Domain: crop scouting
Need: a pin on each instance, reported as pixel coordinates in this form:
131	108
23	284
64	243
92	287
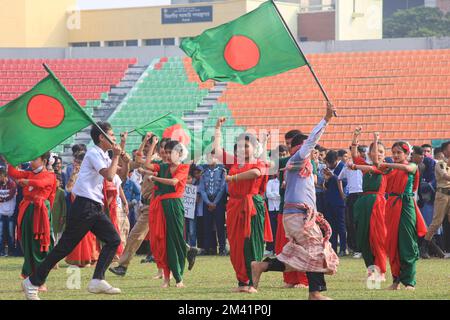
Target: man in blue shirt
212	189
133	194
334	204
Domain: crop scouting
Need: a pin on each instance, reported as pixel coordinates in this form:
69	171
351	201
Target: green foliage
417	22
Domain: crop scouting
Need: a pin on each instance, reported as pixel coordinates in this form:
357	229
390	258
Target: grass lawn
213	278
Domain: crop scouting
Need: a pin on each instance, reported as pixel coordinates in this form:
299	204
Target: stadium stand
89	80
402	94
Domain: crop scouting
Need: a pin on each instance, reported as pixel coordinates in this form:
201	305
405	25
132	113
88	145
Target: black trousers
316	281
85	215
350	224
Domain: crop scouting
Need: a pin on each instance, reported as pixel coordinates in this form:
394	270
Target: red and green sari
404	225
248	224
369	217
34	219
166	222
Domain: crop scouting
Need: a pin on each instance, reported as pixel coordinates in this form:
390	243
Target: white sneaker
101	286
31	291
357	255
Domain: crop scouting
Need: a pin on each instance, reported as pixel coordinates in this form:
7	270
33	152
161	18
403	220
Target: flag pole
303	55
153	121
50	72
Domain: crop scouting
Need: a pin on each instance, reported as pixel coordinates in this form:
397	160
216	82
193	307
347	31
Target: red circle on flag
241	53
45	111
176	132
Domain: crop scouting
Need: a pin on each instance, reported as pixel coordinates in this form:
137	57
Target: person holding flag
167	212
248	224
33	222
308	249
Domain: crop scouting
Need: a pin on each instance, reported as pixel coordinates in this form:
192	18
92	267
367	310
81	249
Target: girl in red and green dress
369	209
33	222
167	213
248	224
404	221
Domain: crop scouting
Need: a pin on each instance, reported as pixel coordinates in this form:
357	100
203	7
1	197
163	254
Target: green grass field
212	279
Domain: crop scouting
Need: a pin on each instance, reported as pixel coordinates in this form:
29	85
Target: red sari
157	218
110	200
402	205
41	187
244	204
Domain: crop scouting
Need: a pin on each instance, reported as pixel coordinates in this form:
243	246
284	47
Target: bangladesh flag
168	126
253	46
39	120
175	128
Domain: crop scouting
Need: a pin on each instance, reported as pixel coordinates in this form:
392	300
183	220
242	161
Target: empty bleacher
168	85
402	94
89	80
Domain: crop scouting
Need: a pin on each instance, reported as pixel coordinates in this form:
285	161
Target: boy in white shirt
87	214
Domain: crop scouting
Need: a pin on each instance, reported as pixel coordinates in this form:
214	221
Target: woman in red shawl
248	224
33	222
403	219
167	213
110	198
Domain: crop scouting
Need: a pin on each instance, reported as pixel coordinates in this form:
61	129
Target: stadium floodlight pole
153	121
302	54
50	72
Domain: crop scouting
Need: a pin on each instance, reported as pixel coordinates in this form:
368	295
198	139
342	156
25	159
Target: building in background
167	25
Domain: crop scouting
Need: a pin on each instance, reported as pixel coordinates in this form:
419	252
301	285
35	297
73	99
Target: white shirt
7	208
118	183
354	179
89	183
273	194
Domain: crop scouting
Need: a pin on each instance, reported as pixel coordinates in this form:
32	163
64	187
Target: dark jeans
316	281
320	202
6	231
215	218
273	215
84	215
200	232
351	229
335	215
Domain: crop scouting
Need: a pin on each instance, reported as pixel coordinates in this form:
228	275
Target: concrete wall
145	22
32	23
317	26
364	21
147	54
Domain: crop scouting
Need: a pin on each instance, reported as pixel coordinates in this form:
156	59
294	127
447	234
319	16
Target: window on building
169	41
152	42
131	43
114	43
94	44
78	44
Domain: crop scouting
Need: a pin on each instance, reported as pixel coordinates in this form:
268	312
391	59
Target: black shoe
424	249
191	255
118	271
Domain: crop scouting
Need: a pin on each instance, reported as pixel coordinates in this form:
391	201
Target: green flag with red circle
39	120
250	47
